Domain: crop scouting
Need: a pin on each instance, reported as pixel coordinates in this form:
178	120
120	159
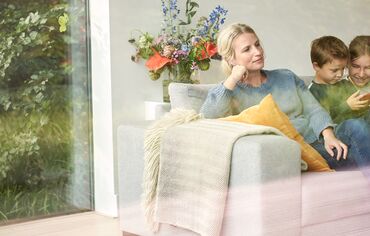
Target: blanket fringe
152	141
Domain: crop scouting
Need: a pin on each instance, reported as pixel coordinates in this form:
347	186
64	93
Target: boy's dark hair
327	48
359	46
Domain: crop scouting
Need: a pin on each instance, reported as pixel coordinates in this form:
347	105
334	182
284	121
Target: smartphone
366	97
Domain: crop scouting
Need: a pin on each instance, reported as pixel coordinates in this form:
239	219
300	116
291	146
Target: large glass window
45	114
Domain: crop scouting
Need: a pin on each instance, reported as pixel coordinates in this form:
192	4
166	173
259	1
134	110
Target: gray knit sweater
288	91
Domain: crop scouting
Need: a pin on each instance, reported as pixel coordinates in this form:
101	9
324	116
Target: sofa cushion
307	79
192	96
188	96
268	113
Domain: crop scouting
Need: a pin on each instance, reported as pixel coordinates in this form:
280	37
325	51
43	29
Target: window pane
45	114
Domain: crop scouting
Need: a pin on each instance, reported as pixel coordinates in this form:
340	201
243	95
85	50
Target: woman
247	83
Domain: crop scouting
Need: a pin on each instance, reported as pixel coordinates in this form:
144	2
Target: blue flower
164	8
185	48
173	4
212	25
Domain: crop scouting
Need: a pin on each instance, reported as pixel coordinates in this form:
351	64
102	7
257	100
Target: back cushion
307	79
192	96
188	96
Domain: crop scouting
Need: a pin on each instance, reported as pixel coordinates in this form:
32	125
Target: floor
82	224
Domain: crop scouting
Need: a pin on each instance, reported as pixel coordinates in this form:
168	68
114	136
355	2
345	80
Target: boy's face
359	70
330	72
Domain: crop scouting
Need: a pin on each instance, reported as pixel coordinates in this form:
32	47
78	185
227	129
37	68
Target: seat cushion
329	196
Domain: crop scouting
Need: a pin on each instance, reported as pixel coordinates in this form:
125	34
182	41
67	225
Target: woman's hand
331	142
355	102
237	73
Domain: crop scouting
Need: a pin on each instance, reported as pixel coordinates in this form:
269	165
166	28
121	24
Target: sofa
267	195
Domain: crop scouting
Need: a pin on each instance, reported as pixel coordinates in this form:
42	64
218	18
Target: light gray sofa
267	194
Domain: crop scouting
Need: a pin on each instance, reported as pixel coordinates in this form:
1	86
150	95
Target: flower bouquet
179	49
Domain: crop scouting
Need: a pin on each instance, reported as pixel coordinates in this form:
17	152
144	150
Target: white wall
285	27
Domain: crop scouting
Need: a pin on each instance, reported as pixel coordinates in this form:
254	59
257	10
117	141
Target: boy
329	57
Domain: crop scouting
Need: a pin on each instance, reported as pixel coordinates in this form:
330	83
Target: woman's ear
231	62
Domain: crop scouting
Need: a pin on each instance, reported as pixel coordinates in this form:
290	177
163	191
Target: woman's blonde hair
225	41
359	46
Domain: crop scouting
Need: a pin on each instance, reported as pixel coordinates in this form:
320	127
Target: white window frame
104	181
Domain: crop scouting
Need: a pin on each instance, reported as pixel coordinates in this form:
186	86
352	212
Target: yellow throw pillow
268	113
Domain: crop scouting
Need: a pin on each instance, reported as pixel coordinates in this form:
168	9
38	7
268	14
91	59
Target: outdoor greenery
36	135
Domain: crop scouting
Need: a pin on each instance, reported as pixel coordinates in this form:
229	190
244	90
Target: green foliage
29	37
36	103
30	58
190	11
34	142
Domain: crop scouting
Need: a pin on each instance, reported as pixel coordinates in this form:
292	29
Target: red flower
210	50
156	61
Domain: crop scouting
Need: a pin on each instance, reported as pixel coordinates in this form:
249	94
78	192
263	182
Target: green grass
18	202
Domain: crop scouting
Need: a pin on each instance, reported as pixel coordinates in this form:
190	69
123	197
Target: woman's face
248	52
359	70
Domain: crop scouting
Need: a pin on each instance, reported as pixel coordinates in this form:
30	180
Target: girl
359	65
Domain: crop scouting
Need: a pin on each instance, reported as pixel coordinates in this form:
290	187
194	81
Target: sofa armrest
258	161
130	150
155	110
264	195
281	159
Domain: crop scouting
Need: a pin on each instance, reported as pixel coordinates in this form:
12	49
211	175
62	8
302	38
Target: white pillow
188	96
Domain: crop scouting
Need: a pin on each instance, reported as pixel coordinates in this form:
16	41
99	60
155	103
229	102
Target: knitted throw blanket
190	187
152	141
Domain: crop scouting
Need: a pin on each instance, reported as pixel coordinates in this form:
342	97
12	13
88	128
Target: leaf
7	105
33	35
27	40
27	20
44	120
194	4
192	13
183	23
63	21
10	41
189	19
62	28
34	17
